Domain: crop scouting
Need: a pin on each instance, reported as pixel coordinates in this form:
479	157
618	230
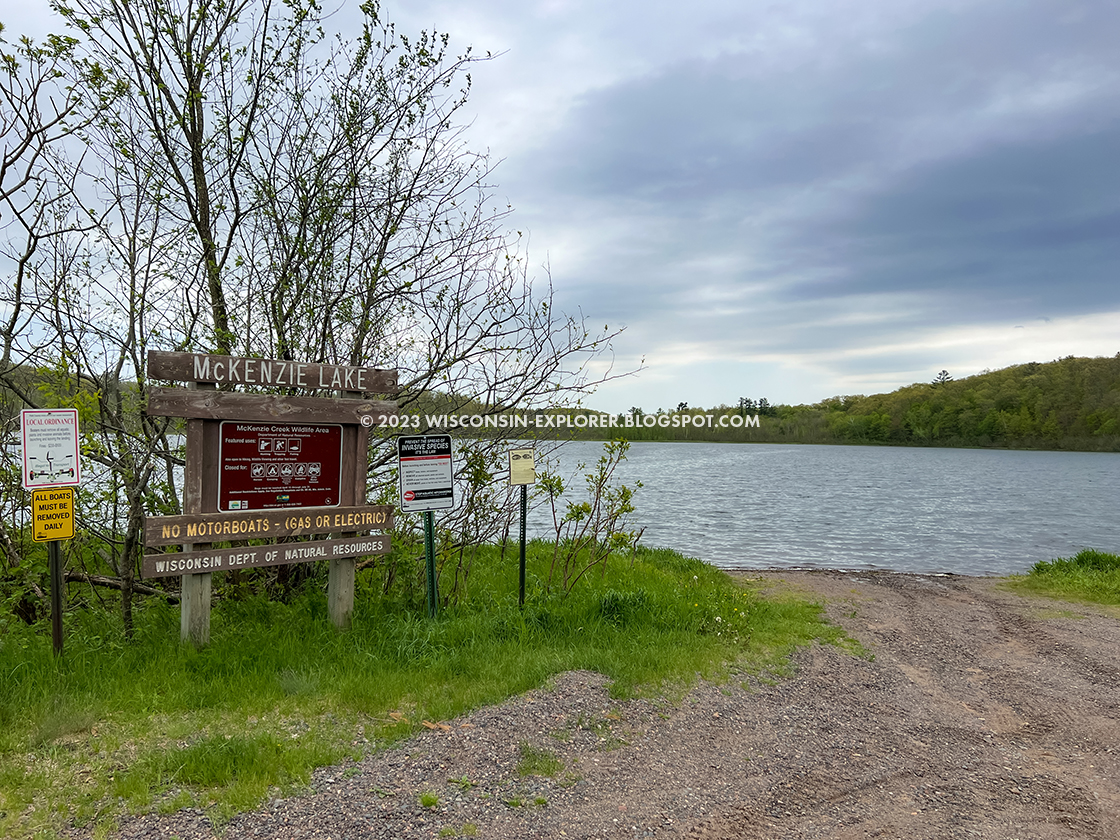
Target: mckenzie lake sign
264	466
272	373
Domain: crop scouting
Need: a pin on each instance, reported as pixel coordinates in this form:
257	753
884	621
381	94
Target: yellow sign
52	514
522	466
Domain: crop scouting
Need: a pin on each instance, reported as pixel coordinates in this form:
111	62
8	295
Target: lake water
967	511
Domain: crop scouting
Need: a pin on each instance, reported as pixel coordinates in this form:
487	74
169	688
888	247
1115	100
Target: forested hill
1071	403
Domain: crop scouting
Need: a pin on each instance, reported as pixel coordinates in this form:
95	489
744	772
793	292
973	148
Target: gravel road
979	714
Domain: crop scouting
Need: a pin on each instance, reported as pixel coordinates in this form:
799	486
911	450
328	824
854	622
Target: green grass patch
237	771
151	724
1091	576
535	761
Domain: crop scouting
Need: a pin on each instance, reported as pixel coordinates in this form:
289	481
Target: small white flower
718	618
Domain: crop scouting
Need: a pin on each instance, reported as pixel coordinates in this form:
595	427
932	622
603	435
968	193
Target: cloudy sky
808	197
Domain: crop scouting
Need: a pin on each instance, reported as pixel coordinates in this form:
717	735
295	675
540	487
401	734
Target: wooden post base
194	616
340	591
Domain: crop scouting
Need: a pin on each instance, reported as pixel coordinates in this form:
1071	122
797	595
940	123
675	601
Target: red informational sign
276	465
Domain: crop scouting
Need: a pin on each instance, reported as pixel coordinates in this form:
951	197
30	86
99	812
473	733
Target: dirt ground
983	714
976	714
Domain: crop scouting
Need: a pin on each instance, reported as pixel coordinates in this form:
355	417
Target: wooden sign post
194	601
263	466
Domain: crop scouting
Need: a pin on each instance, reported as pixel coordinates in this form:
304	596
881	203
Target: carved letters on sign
272	373
265	524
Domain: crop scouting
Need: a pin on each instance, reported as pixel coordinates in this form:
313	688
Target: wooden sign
266	408
265	524
273	373
52	514
228	469
227	559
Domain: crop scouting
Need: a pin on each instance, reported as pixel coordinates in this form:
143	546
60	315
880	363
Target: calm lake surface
967	511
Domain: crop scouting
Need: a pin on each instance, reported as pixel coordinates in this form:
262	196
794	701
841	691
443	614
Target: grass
1089	576
152	725
535	761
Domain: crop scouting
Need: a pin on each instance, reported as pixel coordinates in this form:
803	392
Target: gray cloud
811	197
955	170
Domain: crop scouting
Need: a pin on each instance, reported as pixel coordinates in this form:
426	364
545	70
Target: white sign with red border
426	472
50	448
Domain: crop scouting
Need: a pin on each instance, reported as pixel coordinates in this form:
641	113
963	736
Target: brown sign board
228	559
274	373
238	526
270	465
266	408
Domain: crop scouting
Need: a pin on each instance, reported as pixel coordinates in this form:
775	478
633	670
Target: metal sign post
523	471
52	521
427	483
430	562
51	468
521	554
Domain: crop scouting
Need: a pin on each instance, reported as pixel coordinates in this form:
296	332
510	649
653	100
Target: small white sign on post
426	472
522	467
50	448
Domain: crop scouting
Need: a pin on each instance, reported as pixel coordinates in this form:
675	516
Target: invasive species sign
426	472
225	559
50	447
52	514
522	466
278	465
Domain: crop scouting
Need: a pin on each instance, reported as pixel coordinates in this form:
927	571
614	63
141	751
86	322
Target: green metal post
524	509
54	558
430	557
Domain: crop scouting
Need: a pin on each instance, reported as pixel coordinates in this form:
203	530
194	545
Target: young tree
253	188
200	74
38	218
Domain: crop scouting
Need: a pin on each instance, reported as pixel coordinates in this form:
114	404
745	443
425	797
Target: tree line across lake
1071	403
